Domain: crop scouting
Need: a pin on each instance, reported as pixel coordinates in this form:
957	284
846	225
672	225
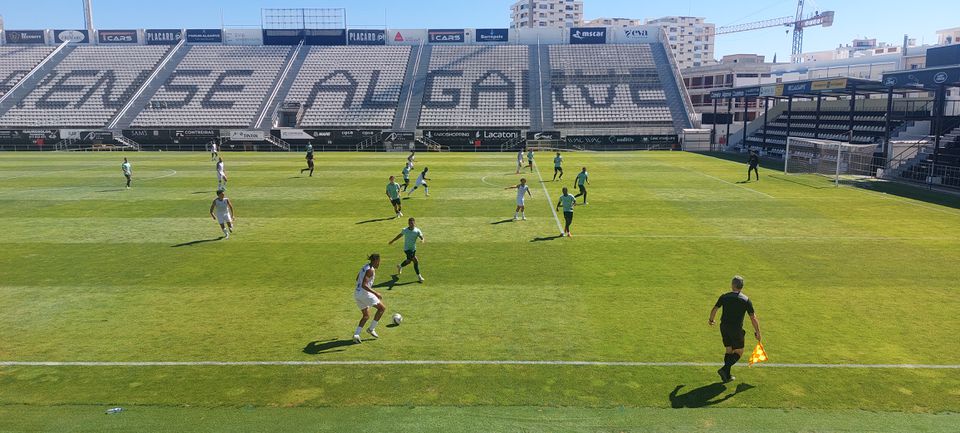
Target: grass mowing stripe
451	362
546	193
725	181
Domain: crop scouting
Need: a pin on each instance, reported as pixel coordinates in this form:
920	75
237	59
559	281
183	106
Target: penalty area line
453	362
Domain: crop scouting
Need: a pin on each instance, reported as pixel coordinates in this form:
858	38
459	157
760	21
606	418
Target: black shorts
583	188
733	336
753	166
395	201
310	163
568	217
410	254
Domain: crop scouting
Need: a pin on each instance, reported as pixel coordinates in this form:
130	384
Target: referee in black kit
735	305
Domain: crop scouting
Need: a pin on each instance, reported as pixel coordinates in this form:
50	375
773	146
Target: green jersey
582	178
567	202
558	161
529	156
393	190
126	168
406	172
410	238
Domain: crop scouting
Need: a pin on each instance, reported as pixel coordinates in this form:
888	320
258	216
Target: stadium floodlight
829	158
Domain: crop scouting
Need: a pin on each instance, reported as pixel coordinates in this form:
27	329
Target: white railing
276	141
143	88
692	115
32	72
276	89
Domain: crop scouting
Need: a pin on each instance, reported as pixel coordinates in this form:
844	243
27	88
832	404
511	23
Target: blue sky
855	18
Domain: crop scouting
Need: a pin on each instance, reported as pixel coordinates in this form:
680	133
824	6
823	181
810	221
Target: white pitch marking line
748	237
484	180
452	362
172	173
546	193
727	182
909	202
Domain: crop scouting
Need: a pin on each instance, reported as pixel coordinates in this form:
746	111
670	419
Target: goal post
833	159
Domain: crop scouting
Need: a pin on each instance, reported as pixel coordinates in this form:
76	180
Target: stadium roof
837	86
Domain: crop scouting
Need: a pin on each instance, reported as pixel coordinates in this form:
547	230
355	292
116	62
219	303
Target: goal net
834	159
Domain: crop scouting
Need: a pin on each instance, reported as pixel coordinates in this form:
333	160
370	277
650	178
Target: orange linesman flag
759	355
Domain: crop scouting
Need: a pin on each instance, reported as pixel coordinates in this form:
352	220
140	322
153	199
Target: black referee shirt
735	306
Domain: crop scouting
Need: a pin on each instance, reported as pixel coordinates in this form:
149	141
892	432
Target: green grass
92	272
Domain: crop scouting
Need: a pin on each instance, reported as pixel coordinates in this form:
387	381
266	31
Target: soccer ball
397	318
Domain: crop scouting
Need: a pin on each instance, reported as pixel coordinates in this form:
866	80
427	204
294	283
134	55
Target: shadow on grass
496	223
192	243
704	396
329	346
376	220
202	192
111	190
546	238
799	181
393	282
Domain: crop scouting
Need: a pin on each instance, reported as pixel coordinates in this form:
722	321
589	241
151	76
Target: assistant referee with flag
735	305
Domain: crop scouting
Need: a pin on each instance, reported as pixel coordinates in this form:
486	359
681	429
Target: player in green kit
309	160
582	181
568	202
393	193
557	166
406	176
530	159
410	234
127	171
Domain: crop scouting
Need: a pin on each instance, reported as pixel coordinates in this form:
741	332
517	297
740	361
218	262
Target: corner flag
759	355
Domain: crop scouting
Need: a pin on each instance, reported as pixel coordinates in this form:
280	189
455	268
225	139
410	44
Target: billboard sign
325	37
162	36
75	36
485	136
406	36
245	135
623	140
834	84
446	36
635	35
27	136
117	36
492	35
25	36
243	36
588	35
399	137
923	78
545	135
366	37
204	36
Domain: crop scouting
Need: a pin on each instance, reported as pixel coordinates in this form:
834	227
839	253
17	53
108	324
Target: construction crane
798	22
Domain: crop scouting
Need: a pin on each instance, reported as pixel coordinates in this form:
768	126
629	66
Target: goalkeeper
754	161
735	305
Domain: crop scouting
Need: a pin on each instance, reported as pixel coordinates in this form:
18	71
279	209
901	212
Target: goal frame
841	145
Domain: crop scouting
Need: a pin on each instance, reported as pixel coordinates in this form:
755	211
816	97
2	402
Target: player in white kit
222	211
421	181
519	160
214	154
523	190
221	175
366	297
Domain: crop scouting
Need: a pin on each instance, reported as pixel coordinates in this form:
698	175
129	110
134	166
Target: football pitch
115	297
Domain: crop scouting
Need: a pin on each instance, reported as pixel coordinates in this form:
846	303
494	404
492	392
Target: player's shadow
376	220
392	282
704	396
496	223
111	190
329	346
546	238
192	243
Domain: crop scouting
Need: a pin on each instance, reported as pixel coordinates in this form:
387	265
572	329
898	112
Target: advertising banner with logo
28	136
85	136
366	37
943	56
545	135
243	36
243	134
840	83
289	134
770	90
588	35
162	36
325	37
926	78
623	140
76	36
635	35
492	35
117	36
339	136
22	37
399	137
788	89
406	36
204	36
446	36
468	137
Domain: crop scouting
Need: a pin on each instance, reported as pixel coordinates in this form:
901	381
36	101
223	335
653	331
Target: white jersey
420	179
222	207
521	191
519	157
363	272
220	168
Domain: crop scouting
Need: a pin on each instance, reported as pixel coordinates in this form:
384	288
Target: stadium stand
17	62
87	88
477	86
215	86
350	86
610	85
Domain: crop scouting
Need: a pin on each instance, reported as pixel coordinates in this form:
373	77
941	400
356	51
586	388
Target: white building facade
692	39
546	13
